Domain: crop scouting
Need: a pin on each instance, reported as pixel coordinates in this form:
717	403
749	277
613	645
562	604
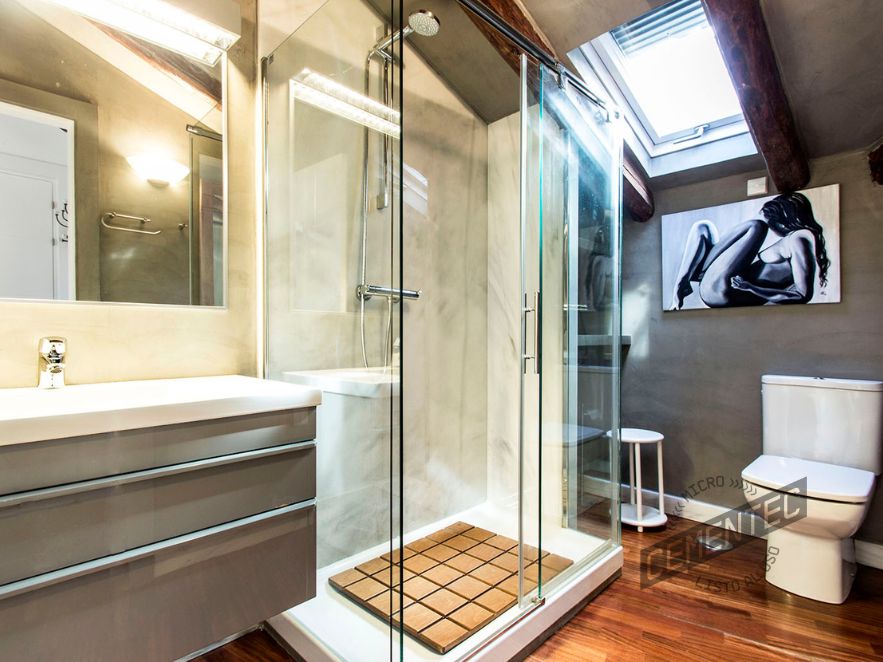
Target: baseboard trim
678	506
218	644
866	553
869	554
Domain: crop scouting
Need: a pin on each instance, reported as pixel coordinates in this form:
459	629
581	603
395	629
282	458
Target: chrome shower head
424	23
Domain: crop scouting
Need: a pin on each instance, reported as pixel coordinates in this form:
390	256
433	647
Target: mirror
111	164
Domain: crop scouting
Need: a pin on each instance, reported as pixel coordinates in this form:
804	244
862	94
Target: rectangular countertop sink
32	414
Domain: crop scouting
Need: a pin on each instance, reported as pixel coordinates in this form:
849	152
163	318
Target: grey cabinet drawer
168	600
47	529
76	459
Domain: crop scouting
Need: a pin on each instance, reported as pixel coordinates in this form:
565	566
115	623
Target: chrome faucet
52	351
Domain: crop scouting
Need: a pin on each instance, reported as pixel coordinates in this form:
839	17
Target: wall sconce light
158	170
200	29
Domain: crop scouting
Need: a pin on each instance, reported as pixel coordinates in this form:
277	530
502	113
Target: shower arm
381	46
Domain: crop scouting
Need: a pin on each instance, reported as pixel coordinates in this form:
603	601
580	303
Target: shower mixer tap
367	291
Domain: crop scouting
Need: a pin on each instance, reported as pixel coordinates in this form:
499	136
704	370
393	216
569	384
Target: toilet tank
837	421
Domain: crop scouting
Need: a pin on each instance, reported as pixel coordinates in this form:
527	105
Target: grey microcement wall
695	375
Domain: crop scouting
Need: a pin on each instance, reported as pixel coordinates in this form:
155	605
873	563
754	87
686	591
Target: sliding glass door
571	330
442	261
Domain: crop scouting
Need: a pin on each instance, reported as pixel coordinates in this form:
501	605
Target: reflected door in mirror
117	115
34	216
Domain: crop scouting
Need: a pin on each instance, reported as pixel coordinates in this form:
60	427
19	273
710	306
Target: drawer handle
90	567
149	474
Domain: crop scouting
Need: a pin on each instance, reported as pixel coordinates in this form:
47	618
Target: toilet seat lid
823	481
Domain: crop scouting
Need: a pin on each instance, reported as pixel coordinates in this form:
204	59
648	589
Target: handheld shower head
422	22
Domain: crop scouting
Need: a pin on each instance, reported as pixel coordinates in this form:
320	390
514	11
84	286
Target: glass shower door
571	331
333	309
382	181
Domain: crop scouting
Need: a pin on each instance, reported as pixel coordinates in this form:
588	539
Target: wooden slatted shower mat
456	581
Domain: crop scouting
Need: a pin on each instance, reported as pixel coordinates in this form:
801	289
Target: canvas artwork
773	251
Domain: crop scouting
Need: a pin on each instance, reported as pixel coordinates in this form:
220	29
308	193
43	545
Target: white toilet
828	431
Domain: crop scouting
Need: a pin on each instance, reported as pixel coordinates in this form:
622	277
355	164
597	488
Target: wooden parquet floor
697	615
703	614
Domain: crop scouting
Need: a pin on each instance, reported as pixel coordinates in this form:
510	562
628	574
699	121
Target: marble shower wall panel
503	308
553	304
353	469
313	256
314	229
504	319
445	332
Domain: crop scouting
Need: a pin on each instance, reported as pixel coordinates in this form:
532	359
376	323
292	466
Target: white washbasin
360	382
32	414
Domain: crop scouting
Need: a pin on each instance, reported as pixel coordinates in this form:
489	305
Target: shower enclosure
442	259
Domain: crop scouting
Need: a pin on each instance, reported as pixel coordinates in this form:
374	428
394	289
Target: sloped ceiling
829	54
831	60
571	23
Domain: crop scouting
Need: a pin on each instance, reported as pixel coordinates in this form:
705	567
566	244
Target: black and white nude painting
779	250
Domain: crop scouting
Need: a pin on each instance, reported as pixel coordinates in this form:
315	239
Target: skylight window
670	70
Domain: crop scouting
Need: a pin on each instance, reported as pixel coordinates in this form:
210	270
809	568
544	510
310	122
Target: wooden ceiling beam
198	76
875	163
748	53
637	197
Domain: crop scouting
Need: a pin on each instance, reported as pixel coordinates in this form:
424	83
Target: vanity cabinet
153	543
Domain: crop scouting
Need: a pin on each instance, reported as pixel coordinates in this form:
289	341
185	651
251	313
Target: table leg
661	488
638	482
631	473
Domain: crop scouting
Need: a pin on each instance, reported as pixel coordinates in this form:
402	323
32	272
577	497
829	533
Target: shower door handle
526	310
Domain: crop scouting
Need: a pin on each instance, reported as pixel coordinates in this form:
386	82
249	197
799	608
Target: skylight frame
608	52
718	145
607	63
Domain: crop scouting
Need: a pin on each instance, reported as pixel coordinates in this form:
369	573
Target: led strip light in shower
329	95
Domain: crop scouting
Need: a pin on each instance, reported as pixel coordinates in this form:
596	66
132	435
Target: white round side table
635	512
